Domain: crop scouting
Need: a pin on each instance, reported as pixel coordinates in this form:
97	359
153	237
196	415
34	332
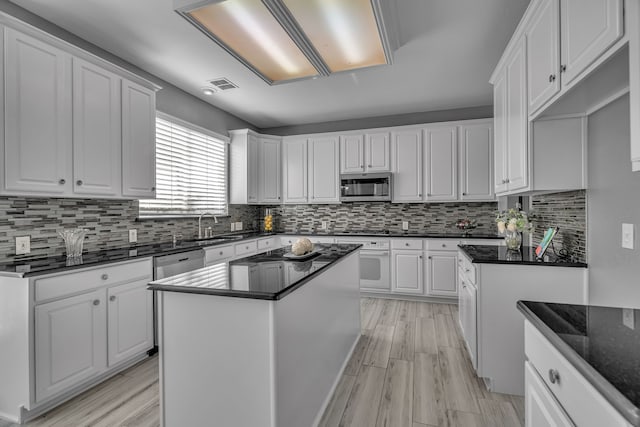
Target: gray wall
384	121
170	99
613	198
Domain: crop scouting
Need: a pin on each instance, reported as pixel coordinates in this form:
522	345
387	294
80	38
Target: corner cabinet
255	168
69	131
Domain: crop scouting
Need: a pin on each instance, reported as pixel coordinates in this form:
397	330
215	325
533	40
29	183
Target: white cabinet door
37	108
441	163
253	161
377	152
130	321
475	163
407	272
588	29
138	141
351	154
407	165
543	54
517	120
97	131
324	154
541	408
468	307
500	129
294	171
70	342
269	170
442	273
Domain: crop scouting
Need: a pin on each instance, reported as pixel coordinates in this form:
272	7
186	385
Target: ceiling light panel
344	32
249	31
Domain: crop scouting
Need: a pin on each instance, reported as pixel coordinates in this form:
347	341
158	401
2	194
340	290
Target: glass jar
268	221
513	240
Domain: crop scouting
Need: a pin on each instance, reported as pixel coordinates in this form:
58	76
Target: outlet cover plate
324	225
133	236
405	225
23	245
239	226
627	236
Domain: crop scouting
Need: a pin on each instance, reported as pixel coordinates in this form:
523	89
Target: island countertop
485	254
599	344
267	276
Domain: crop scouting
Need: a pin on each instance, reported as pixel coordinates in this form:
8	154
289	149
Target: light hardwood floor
409	370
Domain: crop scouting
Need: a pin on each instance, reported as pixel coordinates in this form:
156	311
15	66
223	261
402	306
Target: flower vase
513	240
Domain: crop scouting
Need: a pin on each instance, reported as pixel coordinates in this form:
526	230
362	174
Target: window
191	171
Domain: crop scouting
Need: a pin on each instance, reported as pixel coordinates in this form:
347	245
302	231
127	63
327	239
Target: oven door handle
374	253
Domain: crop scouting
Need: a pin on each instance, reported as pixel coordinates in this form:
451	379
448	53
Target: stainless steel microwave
365	187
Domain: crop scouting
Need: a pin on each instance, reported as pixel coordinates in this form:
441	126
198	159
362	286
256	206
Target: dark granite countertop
599	345
386	233
52	264
267	276
484	254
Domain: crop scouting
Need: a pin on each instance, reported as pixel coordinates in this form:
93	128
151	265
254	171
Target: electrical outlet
233	226
323	225
23	245
628	318
627	236
405	225
133	236
239	226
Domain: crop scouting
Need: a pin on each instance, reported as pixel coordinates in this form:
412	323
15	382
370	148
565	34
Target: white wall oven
375	263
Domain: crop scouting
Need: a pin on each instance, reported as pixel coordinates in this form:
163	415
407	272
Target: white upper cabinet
365	153
71	128
37	117
138	141
269	168
96	130
294	170
588	28
377	152
517	144
407	165
441	163
543	55
500	130
324	169
255	168
351	154
475	163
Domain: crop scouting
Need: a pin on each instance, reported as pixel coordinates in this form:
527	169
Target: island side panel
316	328
216	360
500	326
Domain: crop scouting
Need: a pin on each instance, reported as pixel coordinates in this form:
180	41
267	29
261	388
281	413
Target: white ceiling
448	51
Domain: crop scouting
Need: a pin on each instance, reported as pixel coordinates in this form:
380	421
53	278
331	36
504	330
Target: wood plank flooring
408	369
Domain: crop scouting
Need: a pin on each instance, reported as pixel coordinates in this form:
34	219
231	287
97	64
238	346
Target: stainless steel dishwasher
171	265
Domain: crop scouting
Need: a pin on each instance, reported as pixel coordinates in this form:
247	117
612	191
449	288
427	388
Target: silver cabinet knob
105	276
369	166
430	257
444	245
79	182
62	181
406	244
464	194
554	376
563	68
153	188
221	252
112	298
96	302
552	78
466	270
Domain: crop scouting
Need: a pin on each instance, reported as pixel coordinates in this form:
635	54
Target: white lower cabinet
407	271
467	314
130	328
70	342
542	408
93	327
442	272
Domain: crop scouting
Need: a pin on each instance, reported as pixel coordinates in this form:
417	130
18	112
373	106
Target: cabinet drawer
72	283
218	253
441	245
467	268
578	397
406	244
268	243
287	240
246	247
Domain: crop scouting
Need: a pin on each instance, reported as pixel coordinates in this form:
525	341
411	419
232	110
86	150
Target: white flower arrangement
513	220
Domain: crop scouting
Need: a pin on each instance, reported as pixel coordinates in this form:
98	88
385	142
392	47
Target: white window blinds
191	172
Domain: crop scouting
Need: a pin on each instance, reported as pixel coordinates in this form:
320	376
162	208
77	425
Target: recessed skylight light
284	40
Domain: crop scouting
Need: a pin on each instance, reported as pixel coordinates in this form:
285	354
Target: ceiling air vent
222	83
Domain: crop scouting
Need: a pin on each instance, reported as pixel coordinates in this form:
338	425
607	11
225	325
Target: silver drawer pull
96	302
554	376
104	276
406	244
444	245
466	270
221	252
112	298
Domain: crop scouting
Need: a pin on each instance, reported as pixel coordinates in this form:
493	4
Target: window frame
226	140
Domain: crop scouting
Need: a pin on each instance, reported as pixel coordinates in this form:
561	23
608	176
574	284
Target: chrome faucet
215	220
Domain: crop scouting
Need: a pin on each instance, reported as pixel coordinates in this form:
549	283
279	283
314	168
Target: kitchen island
260	341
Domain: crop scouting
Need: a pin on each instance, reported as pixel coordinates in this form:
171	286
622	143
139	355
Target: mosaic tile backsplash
108	222
567	211
432	217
